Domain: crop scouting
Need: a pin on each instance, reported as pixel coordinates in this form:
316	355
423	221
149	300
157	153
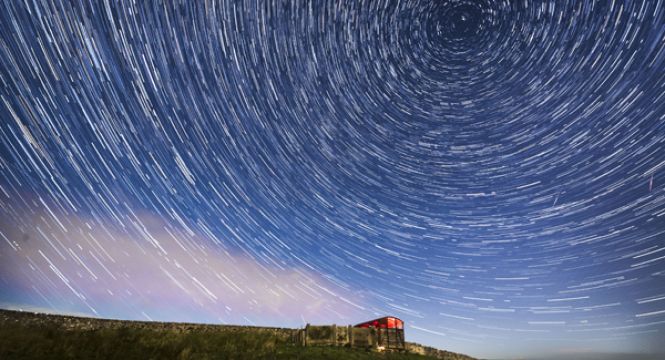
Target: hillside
39	336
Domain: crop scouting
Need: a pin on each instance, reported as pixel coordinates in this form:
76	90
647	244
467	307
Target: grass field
47	341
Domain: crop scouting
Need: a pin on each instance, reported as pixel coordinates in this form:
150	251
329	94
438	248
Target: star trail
492	172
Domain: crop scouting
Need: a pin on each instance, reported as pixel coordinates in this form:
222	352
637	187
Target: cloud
152	270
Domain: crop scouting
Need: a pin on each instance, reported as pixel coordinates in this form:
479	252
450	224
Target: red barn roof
387	322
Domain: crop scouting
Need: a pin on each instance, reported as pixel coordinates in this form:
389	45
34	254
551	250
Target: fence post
374	342
334	334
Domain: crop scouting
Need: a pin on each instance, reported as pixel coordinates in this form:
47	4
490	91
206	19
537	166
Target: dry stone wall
81	323
434	352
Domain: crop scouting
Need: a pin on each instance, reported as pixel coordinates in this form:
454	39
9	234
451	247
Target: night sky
492	172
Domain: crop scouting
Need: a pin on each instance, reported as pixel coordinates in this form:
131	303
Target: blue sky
489	171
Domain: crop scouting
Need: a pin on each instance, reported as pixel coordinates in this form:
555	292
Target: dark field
26	338
21	342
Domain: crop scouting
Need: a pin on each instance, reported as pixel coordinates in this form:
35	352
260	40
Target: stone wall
82	323
434	352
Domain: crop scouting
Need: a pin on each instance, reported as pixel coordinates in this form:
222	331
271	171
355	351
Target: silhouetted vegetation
25	335
48	341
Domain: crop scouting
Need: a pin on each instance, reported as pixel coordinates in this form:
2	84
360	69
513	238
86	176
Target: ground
49	340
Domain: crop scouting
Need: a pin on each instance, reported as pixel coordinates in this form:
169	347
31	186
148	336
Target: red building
389	330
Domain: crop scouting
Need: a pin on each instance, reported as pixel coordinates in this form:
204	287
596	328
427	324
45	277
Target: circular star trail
485	170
